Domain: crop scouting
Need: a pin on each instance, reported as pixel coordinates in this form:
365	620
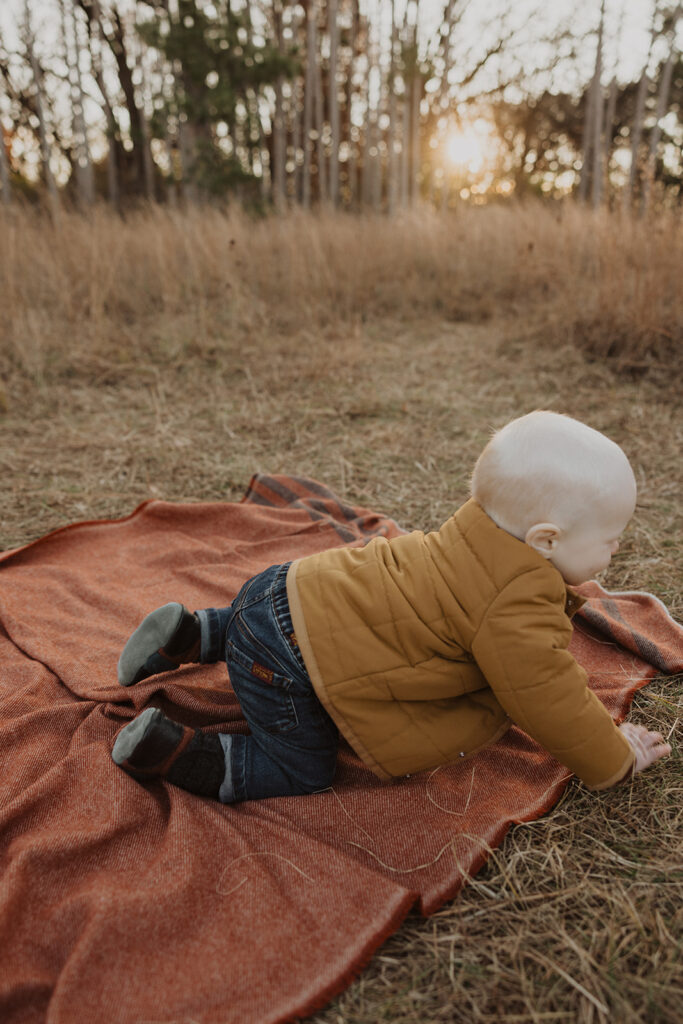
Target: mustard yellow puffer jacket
424	647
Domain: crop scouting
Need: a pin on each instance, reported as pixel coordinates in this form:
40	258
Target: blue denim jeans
292	745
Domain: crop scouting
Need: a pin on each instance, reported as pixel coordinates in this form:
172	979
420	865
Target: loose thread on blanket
632	674
354	823
403	871
256	853
456	814
476	840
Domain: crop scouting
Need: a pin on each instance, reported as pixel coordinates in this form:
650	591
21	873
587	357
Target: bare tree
597	151
145	136
355	44
660	111
119	39
5	188
333	102
320	131
405	122
297	113
392	163
309	98
416	97
97	35
5	193
43	131
444	49
254	114
610	113
371	116
279	138
592	125
639	114
72	52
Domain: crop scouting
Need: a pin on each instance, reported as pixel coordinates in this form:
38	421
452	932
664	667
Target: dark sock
200	768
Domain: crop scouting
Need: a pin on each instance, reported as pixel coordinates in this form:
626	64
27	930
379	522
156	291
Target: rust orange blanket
128	903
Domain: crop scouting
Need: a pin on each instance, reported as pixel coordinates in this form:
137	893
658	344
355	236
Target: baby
419	650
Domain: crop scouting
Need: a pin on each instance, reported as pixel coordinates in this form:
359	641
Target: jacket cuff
624	773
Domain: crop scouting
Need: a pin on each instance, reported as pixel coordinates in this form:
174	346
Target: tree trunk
415	170
84	158
662	105
597	116
5	194
319	126
637	130
309	98
333	99
297	137
117	43
255	115
279	155
405	150
587	144
366	170
610	111
50	184
376	164
88	174
147	161
441	101
112	127
353	148
297	115
638	118
73	152
392	164
164	71
186	145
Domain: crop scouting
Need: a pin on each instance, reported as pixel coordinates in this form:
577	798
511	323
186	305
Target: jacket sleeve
521	649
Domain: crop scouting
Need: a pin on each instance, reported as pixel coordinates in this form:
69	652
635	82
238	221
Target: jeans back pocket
263	692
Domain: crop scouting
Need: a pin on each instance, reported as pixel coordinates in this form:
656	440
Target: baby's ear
543	537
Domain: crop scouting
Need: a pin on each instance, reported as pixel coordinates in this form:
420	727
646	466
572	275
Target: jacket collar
472	516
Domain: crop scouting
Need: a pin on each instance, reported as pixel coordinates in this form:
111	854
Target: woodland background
358	103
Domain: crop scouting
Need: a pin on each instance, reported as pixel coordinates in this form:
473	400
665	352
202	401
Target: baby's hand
647	746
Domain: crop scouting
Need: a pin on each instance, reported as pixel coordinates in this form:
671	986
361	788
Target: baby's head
559	486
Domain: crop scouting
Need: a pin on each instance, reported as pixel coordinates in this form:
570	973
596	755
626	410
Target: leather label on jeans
261	672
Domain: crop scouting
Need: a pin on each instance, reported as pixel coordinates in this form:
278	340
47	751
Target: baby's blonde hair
546	467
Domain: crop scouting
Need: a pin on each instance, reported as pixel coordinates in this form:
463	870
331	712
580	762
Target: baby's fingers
658	750
653	747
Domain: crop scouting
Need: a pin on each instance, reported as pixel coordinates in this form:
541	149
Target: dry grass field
173	355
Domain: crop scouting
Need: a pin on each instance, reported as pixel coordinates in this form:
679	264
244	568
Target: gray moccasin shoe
168	637
153	746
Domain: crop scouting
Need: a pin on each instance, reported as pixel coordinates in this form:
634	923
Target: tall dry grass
87	291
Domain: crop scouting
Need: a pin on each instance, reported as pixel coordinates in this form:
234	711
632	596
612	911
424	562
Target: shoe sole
154	632
133	733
